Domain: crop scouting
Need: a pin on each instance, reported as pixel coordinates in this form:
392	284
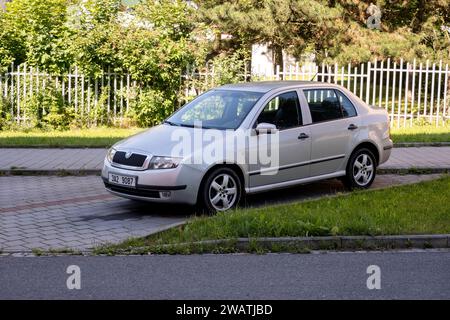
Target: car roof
266	86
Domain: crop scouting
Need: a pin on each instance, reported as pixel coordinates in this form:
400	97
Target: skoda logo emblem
128	155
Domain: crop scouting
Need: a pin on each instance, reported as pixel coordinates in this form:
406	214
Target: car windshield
216	109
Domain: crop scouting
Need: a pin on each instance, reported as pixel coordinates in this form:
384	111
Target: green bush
47	110
5	113
152	107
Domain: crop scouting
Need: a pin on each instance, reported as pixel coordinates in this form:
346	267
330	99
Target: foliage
335	30
94	41
152	107
47	110
35	32
5	115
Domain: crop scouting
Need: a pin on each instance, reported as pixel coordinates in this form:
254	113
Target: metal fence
410	92
112	92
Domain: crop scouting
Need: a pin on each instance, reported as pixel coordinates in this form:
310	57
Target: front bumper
178	185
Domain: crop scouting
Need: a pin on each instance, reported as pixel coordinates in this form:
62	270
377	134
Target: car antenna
314	76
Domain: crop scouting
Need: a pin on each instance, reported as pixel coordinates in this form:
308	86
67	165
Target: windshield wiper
171	123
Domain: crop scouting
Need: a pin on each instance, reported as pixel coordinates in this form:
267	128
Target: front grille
133	192
135	160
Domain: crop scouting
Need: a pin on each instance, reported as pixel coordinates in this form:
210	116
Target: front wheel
361	170
221	191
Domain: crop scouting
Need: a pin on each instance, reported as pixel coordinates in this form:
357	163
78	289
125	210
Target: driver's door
293	147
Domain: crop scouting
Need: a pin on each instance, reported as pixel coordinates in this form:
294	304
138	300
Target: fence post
388	66
76	89
432	92
11	75
419	95
406	94
375	64
413	95
445	92
439	93
18	94
400	92
425	96
380	91
393	92
368	82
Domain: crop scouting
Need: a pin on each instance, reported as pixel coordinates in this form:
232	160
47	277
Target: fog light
165	194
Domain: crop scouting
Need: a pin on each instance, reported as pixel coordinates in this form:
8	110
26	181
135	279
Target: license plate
122	180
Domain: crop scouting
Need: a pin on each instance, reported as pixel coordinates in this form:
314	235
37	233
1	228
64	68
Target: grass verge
421	134
405	210
105	137
82	138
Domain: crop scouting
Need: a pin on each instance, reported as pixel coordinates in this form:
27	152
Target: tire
361	170
221	191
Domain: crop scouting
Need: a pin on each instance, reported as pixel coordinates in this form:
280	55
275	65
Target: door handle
352	127
303	136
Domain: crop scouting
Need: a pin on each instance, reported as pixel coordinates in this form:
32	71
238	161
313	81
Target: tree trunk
277	57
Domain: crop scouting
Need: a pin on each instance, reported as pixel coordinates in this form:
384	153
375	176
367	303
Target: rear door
334	126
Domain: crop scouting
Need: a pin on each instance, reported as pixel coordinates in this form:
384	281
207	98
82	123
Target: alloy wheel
363	169
222	192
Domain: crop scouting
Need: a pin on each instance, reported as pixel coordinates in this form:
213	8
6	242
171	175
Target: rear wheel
221	191
361	170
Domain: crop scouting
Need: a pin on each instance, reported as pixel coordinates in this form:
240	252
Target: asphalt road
411	275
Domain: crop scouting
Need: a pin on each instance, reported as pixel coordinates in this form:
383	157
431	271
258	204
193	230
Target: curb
413	170
337	243
55	172
420	144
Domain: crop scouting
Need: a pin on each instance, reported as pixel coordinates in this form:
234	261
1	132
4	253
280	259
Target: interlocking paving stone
419	157
92	159
52	220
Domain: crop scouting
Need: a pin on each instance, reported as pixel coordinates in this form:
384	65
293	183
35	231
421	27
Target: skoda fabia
253	137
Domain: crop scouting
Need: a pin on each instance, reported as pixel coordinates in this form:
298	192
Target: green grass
421	134
405	210
98	137
105	137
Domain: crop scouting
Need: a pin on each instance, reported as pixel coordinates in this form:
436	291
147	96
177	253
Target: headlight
164	163
110	155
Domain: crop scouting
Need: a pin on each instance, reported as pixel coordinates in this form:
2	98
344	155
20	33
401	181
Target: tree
335	30
35	31
95	35
286	24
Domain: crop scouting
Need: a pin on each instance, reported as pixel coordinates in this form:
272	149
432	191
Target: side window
282	111
348	109
323	104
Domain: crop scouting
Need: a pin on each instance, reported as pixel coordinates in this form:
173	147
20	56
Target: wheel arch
233	166
368	145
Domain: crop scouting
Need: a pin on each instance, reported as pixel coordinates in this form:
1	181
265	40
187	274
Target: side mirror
264	127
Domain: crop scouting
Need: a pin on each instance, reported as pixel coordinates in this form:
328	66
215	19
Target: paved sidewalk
51	159
92	159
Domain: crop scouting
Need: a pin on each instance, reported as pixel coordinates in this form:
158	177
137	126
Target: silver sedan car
246	138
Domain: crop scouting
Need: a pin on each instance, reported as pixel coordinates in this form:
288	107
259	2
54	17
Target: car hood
163	139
